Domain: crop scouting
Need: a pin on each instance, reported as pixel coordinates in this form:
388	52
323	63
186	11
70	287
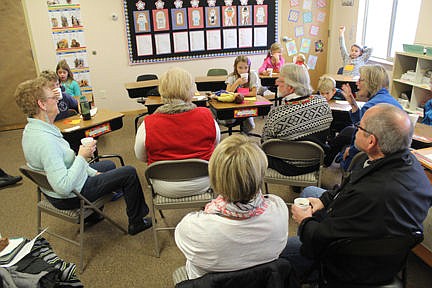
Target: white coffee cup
244	76
59	92
87	141
302	203
270	71
413	118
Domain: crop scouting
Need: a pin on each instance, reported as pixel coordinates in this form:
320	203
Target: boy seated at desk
327	88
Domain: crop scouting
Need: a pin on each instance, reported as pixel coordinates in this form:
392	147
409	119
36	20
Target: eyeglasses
357	125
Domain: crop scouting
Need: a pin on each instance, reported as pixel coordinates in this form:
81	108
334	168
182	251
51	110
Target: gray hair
297	77
390	128
375	78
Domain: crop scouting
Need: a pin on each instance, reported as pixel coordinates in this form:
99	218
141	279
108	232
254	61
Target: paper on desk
93	111
24	251
247	98
75	121
199	98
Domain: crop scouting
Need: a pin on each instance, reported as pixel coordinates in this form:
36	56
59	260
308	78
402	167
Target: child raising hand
357	57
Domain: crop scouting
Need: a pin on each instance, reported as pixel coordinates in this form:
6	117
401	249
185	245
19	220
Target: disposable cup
87	141
244	76
59	92
270	71
413	118
302	203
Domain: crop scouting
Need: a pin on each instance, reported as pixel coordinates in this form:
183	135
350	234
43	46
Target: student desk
270	82
224	111
74	128
140	88
341	117
422	135
424	250
211	83
342	79
153	102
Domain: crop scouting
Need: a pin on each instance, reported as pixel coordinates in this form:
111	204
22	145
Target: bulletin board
160	31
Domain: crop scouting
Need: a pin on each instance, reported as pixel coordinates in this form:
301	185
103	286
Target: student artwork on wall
161	30
69	41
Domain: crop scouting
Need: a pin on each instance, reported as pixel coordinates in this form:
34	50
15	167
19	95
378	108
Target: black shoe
93	219
140	226
296	189
117	195
6	179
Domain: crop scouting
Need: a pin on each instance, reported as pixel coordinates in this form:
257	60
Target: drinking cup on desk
87	141
270	71
413	118
302	203
244	76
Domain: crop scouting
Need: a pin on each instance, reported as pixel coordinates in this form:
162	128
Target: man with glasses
387	194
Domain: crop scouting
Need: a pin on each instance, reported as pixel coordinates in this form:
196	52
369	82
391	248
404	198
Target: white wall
109	68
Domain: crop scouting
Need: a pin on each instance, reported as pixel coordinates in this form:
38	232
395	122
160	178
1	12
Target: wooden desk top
423	133
424	156
260	101
343	78
142	84
205	79
157	100
273	76
68	125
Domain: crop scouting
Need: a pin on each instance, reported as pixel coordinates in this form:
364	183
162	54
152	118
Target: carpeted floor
113	259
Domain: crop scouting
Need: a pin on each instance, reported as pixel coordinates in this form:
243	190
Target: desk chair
301	152
175	171
76	216
366	262
357	160
273	274
142	93
217	72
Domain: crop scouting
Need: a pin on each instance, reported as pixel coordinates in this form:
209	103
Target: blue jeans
312	191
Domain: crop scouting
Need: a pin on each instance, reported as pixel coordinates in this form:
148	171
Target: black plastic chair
143	93
217	72
367	262
275	274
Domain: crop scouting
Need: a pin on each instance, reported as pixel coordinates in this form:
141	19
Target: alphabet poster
161	30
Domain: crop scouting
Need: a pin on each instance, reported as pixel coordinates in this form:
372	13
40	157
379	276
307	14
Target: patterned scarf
174	106
237	210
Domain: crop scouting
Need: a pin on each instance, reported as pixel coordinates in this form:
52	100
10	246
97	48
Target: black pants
112	179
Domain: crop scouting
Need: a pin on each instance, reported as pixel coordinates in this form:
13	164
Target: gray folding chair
175	171
76	216
303	153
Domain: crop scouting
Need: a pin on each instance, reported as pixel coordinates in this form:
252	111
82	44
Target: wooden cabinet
408	77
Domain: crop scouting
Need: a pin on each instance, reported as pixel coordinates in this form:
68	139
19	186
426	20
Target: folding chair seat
301	152
175	171
75	216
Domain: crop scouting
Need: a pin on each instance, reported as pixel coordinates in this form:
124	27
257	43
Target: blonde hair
275	47
237	168
374	77
176	83
326	84
28	93
49	75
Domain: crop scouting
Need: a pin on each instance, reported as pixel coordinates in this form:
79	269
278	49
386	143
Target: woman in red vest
177	130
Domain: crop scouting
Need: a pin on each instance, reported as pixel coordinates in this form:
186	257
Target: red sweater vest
186	135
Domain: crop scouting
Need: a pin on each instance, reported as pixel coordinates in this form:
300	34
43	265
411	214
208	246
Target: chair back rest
144	91
356	162
146	77
38	177
274	274
217	72
298	151
367	261
177	170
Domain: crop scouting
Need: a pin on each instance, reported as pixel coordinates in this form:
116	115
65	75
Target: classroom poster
68	39
161	30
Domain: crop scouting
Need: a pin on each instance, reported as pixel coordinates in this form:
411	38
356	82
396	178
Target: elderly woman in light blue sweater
45	149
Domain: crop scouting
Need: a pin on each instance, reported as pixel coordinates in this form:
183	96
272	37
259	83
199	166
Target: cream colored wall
109	68
423	35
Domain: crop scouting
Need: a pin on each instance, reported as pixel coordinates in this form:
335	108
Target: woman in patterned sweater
302	117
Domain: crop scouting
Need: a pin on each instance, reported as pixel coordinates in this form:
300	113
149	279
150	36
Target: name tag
98	130
246	112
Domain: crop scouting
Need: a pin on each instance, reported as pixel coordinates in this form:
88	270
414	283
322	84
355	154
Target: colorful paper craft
291	47
307	17
299	31
314	30
305	45
312	60
293	16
